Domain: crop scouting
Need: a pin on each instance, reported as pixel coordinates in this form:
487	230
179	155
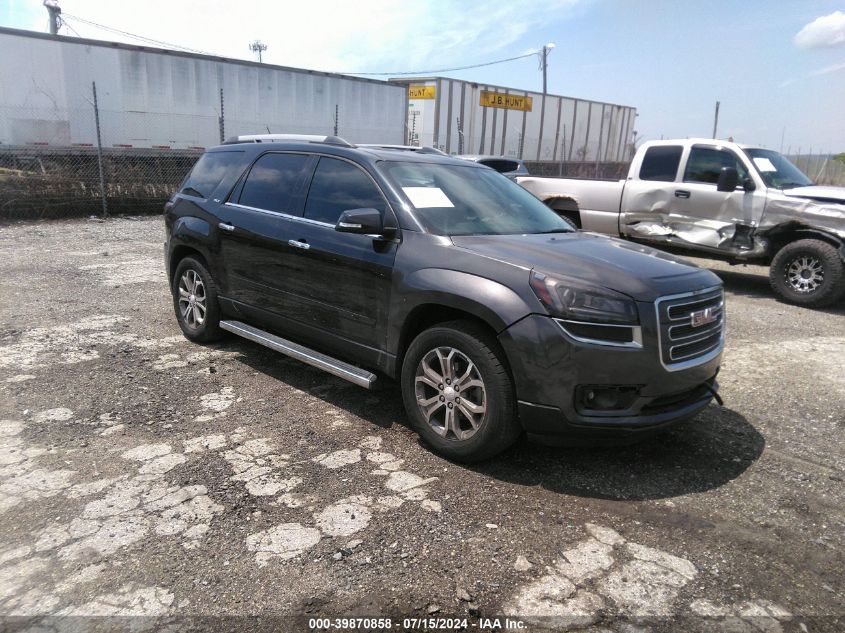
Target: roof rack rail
287	138
407	148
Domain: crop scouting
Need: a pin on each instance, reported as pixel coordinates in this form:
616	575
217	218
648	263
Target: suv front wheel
458	392
195	301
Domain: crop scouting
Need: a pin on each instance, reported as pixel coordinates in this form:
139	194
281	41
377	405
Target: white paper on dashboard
764	164
425	197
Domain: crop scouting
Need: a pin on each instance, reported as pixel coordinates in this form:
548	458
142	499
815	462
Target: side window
209	171
338	186
705	164
274	183
661	163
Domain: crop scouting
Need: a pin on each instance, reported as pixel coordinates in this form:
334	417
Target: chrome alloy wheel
192	299
805	274
450	393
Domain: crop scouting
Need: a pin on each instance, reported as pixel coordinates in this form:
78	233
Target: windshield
776	169
457	200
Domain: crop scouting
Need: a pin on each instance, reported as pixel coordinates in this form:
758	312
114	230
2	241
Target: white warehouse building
158	98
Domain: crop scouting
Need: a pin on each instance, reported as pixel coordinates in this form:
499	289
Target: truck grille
690	327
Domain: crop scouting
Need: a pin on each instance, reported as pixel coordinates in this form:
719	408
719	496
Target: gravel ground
142	475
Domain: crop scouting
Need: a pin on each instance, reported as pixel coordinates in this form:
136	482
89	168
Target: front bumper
549	367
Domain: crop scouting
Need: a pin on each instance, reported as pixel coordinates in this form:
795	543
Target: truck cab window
661	163
705	164
338	186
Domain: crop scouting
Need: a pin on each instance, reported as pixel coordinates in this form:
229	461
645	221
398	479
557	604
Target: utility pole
55	12
716	120
336	116
544	62
258	47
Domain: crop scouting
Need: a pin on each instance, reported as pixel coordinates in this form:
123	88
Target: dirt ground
145	476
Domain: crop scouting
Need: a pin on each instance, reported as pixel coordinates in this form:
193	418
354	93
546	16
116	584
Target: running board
353	374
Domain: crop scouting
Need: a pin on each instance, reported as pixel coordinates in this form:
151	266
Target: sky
776	66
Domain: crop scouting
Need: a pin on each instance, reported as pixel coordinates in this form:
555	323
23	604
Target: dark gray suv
492	313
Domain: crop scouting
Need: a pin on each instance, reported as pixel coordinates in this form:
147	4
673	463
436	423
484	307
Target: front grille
683	341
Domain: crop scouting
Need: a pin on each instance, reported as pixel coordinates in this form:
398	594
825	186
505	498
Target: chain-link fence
823	169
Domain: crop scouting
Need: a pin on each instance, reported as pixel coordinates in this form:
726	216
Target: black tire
208	329
565	217
498	427
814	292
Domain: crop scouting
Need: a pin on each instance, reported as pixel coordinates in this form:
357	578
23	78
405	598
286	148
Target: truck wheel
195	301
808	273
458	392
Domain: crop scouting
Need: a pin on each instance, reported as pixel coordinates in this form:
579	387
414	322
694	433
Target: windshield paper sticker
426	197
764	164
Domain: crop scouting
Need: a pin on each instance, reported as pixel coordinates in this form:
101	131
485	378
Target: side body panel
598	200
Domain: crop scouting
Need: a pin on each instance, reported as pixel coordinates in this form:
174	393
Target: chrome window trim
699	360
636	334
289	216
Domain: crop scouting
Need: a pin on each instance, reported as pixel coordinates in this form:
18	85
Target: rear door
652	196
253	239
335	282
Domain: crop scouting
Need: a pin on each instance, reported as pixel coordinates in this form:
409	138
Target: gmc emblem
702	317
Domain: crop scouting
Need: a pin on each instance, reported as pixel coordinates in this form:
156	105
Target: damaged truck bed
733	202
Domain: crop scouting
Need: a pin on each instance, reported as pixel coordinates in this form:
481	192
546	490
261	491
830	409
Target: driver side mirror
361	221
728	179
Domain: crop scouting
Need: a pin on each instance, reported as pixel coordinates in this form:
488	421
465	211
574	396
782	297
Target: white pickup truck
723	200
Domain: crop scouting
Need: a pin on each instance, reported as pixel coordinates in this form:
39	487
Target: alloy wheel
804	274
450	393
192	299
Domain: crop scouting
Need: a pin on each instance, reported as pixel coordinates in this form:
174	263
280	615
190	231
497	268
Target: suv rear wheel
808	273
195	301
458	393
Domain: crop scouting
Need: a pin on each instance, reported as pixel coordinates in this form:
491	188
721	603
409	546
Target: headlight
574	300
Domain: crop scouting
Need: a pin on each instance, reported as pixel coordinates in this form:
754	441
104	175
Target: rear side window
338	186
661	163
275	182
500	165
705	164
210	170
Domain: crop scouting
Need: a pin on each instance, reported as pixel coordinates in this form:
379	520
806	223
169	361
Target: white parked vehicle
506	165
719	199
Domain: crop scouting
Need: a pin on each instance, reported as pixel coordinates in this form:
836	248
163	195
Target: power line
134	36
369	74
440	70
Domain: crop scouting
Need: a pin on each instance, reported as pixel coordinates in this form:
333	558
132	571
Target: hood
818	192
640	272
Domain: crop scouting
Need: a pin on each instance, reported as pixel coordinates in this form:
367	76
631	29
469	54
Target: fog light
605	398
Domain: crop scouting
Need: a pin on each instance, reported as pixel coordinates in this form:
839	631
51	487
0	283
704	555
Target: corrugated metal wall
555	127
149	97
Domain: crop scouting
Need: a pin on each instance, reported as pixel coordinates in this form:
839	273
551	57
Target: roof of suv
258	143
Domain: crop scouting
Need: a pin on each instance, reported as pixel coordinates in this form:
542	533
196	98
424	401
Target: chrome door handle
682	193
226	226
297	244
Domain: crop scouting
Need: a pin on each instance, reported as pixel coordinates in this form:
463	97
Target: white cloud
833	68
828	30
362	35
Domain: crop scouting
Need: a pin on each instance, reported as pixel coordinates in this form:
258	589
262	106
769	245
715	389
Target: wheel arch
434	300
565	205
787	233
